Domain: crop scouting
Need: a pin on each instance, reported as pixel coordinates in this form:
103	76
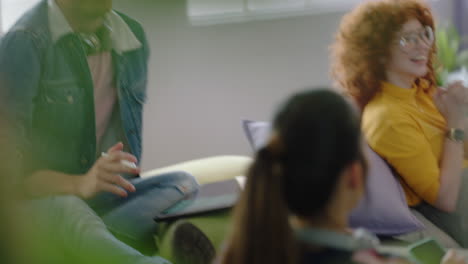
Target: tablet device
209	197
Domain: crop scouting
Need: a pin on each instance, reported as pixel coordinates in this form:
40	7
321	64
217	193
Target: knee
182	178
178	176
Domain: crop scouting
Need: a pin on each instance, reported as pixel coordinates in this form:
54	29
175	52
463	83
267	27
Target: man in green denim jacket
73	77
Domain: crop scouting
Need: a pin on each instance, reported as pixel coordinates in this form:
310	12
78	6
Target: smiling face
409	54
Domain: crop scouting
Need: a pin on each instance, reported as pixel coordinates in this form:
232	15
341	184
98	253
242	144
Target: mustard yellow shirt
405	128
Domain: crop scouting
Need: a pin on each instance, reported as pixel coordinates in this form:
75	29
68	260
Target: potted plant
451	62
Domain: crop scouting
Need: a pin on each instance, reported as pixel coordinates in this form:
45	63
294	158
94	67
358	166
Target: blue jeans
64	229
131	218
74	233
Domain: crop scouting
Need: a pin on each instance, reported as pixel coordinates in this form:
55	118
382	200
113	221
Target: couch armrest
209	169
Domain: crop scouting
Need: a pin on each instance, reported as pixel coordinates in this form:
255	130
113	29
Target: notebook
209	197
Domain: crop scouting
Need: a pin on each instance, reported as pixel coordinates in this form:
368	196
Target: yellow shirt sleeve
404	147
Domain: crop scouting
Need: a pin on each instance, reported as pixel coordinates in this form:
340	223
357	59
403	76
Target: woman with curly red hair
383	57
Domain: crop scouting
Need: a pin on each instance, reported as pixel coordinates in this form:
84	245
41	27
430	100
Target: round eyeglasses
409	41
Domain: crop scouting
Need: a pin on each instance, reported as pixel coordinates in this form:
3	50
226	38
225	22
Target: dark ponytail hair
261	218
316	135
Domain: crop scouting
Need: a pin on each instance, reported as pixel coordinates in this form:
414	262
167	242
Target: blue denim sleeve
138	30
146	54
19	83
146	49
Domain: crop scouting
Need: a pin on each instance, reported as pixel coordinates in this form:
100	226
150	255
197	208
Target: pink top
105	93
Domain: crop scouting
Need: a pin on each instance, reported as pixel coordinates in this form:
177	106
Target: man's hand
105	175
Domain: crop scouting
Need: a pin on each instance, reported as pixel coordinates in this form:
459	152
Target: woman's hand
368	257
451	102
451	257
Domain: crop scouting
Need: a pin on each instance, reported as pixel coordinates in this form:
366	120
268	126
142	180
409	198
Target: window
11	10
206	12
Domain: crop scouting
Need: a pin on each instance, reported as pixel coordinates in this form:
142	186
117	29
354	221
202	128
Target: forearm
47	182
465	149
465	143
450	175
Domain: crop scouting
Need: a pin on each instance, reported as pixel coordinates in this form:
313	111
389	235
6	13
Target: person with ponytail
302	187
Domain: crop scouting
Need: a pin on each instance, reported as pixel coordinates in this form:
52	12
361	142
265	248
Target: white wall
205	80
443	10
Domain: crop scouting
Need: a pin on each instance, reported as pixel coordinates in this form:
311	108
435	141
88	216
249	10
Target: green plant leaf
442	47
449	56
453	38
441	77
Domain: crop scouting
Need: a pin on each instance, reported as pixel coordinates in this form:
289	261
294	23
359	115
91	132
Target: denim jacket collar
121	35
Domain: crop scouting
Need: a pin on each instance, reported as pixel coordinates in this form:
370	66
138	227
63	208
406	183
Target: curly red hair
363	42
